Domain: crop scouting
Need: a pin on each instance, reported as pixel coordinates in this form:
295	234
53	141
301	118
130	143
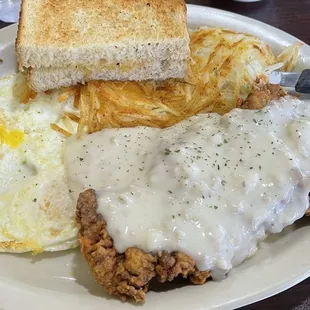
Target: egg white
36	211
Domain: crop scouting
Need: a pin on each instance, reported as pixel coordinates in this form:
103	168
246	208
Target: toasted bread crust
20	34
53	33
126	275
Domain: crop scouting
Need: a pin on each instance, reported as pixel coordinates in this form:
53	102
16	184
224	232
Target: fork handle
303	84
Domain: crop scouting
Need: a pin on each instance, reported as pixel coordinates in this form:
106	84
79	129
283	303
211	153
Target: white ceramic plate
62	280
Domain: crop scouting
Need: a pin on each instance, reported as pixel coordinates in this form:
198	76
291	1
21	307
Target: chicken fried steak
126	275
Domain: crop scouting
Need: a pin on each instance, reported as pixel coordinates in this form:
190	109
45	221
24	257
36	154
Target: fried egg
36	211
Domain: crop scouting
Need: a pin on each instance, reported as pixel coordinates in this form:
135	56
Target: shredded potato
22	90
223	70
77	98
66	94
28	95
73	117
289	57
60	130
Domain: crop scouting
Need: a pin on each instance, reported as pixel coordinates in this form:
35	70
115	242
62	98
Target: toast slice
43	79
67	33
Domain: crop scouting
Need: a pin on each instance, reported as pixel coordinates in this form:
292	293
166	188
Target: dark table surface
292	16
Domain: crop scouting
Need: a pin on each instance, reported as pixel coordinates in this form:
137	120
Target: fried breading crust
262	94
126	275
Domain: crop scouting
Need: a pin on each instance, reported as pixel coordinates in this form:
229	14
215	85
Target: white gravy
211	187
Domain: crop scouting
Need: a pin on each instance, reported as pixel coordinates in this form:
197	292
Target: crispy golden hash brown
226	68
126	275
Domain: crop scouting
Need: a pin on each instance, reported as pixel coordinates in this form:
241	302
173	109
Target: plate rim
250	19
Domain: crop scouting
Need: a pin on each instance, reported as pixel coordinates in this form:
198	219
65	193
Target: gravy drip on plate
211	186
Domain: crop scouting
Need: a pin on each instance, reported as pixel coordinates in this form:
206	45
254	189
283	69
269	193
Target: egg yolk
12	138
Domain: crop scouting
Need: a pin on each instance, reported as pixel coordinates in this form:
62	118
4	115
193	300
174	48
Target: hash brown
226	68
